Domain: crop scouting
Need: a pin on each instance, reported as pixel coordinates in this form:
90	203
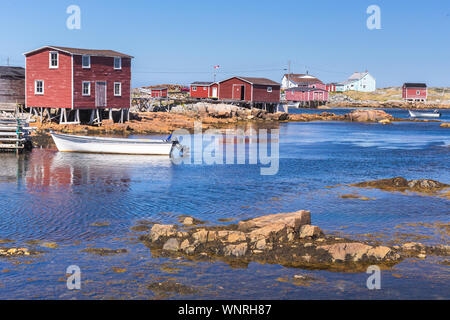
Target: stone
309	231
185	244
368	115
159	230
266	231
421	256
292	220
236	236
412	246
355	251
188	221
201	236
261	244
171	245
237	250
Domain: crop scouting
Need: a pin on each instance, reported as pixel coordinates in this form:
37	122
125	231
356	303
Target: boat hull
71	143
424	114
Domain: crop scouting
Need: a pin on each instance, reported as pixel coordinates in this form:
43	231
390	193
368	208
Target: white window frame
204	88
120	89
119	59
89	89
36	86
50	60
82	64
194	88
269	89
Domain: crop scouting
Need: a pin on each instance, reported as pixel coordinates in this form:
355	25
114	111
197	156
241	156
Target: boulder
368	116
201	236
355	251
159	230
309	231
266	231
237	250
236	236
292	220
171	245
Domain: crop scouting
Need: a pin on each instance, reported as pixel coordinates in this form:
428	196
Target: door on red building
238	92
100	94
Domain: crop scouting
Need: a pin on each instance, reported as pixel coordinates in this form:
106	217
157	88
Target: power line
209	72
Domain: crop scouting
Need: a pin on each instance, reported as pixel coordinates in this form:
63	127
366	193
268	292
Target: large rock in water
368	116
401	184
293	220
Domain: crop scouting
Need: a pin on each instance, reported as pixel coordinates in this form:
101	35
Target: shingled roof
89	52
259	81
415	85
302	78
12	73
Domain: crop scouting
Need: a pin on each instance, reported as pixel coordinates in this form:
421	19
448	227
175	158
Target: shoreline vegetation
217	116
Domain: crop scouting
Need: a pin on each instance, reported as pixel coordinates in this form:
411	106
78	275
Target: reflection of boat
416	114
72	143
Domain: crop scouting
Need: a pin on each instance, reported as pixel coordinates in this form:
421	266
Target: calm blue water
55	197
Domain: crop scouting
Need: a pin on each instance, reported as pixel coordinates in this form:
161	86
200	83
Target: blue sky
180	41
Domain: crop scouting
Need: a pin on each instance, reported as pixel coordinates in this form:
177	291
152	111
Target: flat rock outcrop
368	116
288	239
401	184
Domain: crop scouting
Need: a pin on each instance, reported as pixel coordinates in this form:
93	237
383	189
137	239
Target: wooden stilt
121	115
110	114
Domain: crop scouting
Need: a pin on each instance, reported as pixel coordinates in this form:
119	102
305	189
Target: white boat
416	114
73	143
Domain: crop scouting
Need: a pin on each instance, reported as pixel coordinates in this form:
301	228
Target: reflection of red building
50	169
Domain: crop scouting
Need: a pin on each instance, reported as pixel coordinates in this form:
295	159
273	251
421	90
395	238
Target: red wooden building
307	96
331	87
77	79
204	89
251	90
415	92
159	92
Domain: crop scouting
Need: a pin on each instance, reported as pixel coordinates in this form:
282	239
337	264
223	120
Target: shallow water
58	198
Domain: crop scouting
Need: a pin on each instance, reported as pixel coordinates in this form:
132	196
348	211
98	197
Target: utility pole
7	61
289	72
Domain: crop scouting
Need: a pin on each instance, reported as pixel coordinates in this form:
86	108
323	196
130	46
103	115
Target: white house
360	81
293	80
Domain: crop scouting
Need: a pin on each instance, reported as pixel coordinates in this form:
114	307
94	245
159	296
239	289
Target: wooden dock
14	135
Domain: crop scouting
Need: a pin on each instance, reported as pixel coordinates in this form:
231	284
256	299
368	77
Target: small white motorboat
73	143
417	114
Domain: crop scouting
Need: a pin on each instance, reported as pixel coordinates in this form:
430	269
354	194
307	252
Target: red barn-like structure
307	96
251	90
204	89
77	79
415	92
159	92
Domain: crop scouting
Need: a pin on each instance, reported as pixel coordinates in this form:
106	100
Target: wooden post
110	114
121	115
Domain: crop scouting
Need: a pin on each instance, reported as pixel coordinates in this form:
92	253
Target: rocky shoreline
211	116
287	239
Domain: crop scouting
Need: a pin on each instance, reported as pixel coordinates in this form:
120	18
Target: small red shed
415	92
254	90
307	96
331	87
71	78
204	89
159	92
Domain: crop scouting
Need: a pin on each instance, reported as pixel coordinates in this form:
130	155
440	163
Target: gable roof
89	52
302	78
414	85
255	81
202	83
12	73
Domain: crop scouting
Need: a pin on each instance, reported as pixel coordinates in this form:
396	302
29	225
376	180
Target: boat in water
418	114
73	143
